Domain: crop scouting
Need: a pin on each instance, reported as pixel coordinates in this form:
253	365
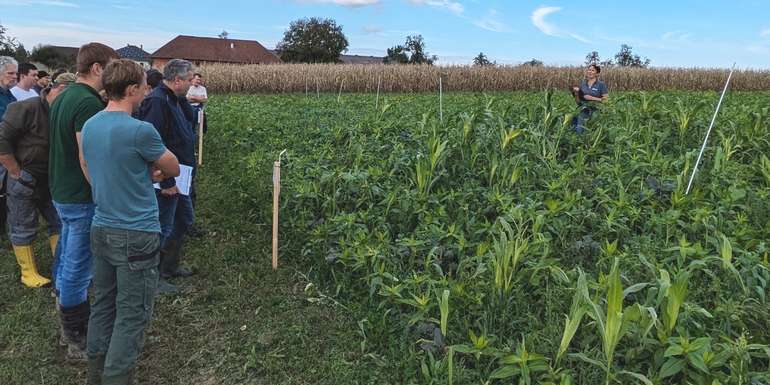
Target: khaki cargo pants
125	279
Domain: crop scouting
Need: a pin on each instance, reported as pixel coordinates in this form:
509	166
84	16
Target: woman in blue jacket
590	92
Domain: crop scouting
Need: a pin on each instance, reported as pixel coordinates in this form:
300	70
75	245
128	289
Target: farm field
485	243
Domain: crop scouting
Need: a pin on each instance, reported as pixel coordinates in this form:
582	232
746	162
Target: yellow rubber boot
53	240
29	275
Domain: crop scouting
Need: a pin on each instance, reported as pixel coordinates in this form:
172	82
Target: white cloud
538	20
75	35
676	37
53	3
759	49
452	6
372	29
58	3
491	22
765	33
344	3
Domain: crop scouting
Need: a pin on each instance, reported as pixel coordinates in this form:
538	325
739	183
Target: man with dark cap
24	139
43	80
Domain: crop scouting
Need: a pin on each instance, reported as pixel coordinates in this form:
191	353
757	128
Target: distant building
202	50
354	59
359	59
137	54
71	53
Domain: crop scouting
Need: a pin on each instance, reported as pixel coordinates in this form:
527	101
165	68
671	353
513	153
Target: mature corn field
312	78
498	246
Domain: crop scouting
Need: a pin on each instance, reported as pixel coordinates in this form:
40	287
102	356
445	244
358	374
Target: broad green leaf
504	372
641	377
584	358
696	360
674	350
672	367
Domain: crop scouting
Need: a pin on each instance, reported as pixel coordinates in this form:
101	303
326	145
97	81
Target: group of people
96	154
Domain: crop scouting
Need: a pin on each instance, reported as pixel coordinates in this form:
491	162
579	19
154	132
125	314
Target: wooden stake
339	95
201	116
276	194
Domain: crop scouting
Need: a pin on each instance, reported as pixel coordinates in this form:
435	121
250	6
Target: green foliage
533	254
312	40
51	57
413	51
481	60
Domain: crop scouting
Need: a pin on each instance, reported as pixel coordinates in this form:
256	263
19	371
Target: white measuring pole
440	100
377	101
708	133
339	95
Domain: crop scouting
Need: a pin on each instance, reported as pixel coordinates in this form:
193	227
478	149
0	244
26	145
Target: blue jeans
75	262
175	214
579	120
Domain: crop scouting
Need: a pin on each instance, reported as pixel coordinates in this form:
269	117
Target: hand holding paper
183	181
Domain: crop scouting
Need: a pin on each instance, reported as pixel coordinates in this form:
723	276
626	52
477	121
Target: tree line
317	40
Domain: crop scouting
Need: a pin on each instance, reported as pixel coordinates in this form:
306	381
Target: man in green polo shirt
71	192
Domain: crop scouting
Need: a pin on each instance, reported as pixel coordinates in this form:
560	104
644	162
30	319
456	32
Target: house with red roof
203	50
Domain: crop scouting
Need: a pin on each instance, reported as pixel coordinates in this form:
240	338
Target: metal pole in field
276	194
201	116
708	133
440	100
377	101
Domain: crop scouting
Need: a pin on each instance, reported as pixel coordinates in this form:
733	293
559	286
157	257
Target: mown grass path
237	322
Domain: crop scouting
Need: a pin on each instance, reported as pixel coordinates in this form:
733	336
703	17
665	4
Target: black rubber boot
95	370
169	260
164	287
74	325
125	379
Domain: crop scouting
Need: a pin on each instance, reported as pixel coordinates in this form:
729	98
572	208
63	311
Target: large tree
51	57
411	52
313	40
481	60
626	58
533	63
9	46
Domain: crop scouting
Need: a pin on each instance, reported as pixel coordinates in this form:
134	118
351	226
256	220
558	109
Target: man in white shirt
196	95
27	79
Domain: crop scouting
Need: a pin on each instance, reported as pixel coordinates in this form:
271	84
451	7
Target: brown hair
119	75
94	53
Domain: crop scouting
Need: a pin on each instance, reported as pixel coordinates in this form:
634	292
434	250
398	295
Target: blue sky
671	33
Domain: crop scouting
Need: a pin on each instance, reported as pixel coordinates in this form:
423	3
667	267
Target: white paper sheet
183	181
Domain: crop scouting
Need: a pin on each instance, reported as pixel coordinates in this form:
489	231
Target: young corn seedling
576	313
508	250
610	326
522	364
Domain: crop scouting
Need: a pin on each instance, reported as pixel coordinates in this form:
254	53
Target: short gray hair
5	61
177	68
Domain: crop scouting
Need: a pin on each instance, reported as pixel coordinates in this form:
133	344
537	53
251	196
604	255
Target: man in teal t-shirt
122	156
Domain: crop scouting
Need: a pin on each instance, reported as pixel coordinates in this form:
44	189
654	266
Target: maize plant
509	246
